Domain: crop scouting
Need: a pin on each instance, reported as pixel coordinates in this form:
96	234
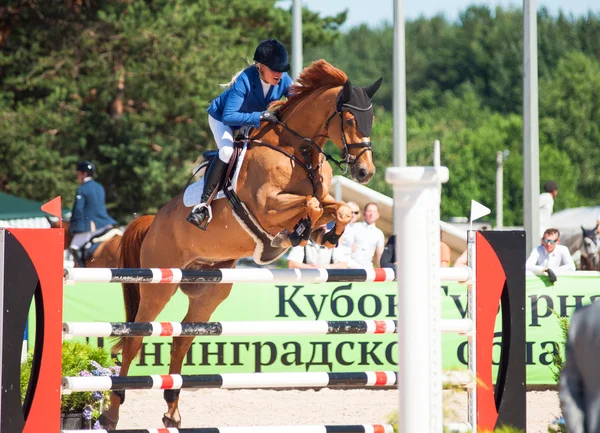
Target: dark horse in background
590	250
104	249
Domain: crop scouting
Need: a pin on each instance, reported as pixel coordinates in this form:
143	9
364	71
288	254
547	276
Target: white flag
478	210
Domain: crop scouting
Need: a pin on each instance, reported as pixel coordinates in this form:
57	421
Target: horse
590	250
284	179
105	255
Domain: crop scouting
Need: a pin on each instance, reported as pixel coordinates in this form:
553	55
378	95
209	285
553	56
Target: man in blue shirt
243	104
89	215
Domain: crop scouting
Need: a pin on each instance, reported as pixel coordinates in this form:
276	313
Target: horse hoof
281	240
317	236
107	423
168	422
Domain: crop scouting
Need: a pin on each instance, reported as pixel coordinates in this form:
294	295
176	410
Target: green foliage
126	84
77	360
557	360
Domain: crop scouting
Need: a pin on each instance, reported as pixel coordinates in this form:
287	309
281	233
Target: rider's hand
269	116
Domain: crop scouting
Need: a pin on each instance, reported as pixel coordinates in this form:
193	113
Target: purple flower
87	413
96	395
100	371
97	426
85	373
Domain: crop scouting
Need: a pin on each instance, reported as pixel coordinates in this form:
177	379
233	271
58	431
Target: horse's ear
346	92
373	87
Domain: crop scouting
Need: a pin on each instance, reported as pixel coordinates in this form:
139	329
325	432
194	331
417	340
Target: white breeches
80	239
223	136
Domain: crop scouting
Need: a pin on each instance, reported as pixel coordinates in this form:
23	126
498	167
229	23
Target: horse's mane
318	75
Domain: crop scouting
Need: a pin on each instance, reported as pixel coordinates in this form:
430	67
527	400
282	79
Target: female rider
244	103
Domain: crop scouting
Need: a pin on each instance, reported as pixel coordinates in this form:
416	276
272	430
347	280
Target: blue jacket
243	102
89	206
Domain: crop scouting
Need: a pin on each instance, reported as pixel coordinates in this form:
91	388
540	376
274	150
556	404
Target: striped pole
362	428
307	276
232	381
251	381
206	329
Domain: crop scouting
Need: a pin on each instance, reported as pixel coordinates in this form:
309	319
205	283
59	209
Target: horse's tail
131	244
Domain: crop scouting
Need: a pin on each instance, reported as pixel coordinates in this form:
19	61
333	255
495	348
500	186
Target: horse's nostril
362	173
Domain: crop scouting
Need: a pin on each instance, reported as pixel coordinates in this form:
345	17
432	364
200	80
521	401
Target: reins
307	144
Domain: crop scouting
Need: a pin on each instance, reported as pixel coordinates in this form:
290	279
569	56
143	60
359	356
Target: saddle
95	241
264	252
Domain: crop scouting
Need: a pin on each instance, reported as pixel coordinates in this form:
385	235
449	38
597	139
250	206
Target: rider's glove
551	275
269	116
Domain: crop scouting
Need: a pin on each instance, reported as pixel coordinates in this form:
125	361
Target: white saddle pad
193	193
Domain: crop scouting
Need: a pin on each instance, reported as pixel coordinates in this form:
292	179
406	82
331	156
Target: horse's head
323	91
589	246
353	138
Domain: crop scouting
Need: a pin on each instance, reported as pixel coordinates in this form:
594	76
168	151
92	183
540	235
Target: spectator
368	239
549	257
346	245
579	386
547	204
388	258
315	256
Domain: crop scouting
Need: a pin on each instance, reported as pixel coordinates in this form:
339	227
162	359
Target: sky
374	12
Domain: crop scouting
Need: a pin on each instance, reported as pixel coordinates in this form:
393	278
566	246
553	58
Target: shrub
79	359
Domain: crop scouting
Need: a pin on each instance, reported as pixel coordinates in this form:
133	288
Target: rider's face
270	76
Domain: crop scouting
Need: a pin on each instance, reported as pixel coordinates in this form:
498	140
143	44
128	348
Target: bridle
308	145
348	159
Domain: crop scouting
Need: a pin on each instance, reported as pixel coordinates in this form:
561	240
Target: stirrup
195	214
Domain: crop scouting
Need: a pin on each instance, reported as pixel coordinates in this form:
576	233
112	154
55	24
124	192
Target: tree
126	85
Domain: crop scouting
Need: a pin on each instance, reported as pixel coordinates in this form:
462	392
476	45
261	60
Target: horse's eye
349	122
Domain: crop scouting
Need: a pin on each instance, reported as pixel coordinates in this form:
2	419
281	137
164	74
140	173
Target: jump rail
362	428
296	327
174	275
245	381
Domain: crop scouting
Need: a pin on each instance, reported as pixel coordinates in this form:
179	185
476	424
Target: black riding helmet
273	55
86	167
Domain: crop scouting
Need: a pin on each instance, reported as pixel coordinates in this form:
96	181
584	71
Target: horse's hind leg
204	299
153	299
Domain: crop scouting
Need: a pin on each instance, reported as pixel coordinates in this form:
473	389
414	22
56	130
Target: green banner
331	301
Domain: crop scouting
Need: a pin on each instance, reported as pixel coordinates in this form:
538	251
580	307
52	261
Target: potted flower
79	410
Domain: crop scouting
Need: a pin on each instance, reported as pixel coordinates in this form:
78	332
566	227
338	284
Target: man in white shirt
369	241
550	258
315	256
547	205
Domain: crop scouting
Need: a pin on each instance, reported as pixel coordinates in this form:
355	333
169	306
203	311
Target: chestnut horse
285	177
106	255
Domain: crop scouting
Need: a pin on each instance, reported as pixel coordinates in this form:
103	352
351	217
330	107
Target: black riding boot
200	216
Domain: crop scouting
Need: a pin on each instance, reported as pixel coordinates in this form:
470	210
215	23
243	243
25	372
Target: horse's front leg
338	211
285	211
